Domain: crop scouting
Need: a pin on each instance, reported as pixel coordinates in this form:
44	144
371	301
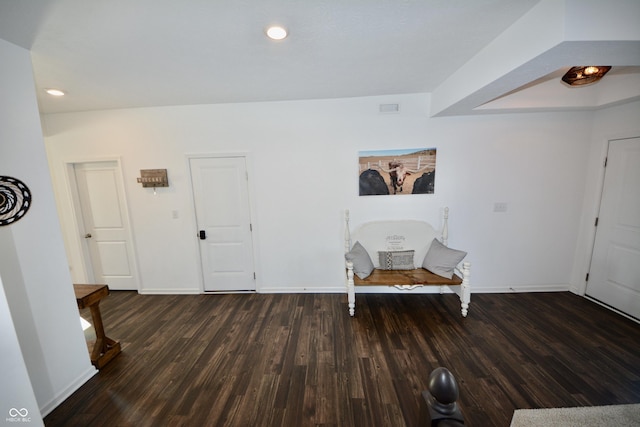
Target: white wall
33	264
304	174
17	401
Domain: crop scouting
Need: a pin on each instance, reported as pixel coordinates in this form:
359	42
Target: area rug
591	416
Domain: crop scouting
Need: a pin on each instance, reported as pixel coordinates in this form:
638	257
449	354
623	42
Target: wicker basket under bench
395	240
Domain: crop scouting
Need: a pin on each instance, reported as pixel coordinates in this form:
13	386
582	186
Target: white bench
396	239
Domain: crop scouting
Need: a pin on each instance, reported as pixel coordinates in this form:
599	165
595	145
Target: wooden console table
104	349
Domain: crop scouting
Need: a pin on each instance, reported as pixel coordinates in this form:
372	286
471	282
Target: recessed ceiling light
55	92
276	32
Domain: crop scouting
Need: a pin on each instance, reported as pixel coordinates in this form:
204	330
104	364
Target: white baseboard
68	391
174	291
304	290
520	288
505	289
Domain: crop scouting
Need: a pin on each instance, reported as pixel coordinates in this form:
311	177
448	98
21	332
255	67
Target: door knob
203	234
87	236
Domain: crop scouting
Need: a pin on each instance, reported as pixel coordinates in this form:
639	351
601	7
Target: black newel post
440	399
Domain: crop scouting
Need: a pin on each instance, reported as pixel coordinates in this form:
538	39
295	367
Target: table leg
104	348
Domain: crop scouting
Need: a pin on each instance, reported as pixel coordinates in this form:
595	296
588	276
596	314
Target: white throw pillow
362	264
442	260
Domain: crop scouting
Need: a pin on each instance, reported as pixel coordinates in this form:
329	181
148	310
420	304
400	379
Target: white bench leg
465	309
465	288
351	290
352	303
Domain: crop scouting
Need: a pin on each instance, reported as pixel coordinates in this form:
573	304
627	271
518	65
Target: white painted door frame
74	236
613	281
252	211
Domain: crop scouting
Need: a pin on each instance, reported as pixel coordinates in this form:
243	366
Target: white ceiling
136	53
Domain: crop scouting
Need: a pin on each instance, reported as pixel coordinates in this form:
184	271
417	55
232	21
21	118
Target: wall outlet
500	207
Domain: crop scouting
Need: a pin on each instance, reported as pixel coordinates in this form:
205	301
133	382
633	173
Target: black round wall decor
15	200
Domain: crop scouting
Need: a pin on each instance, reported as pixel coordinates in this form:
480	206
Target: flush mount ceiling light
584	75
55	92
276	32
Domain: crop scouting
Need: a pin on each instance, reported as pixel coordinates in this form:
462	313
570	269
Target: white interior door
221	195
614	278
105	228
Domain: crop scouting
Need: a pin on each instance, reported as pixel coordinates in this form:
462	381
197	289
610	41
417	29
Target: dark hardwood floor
300	360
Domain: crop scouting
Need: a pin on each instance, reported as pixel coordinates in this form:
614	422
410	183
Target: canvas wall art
397	172
15	200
